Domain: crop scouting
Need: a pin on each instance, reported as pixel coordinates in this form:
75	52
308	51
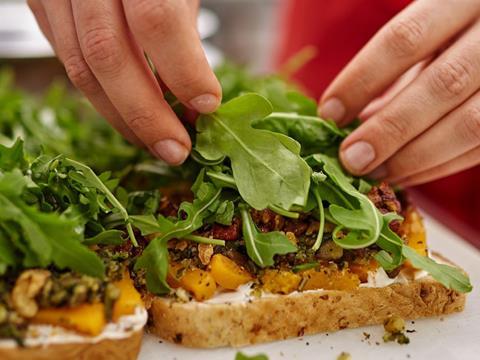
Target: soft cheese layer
42	335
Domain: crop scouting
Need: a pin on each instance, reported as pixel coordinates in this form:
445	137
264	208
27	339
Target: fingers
410	37
60	19
462	162
394	90
123	73
40	15
456	134
175	49
442	86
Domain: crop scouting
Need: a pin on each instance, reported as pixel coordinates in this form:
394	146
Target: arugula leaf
313	133
349	208
283	95
92	180
51	238
143	202
147	224
391	257
223	213
449	276
154	259
363	186
321	217
13	157
266	171
7	254
13	183
107	237
67	250
262	247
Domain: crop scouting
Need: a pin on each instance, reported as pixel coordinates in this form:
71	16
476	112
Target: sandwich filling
87	237
44	334
219	273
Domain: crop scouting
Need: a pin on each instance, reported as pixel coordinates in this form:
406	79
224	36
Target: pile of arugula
263	148
61	123
53	208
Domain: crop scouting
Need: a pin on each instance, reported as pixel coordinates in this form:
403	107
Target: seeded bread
125	349
210	325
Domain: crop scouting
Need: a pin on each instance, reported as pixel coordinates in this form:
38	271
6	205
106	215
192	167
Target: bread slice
277	317
120	341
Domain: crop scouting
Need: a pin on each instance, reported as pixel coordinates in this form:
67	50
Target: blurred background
263	34
244	30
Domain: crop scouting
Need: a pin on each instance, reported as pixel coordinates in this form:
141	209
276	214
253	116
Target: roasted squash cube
280	281
129	298
200	283
88	319
327	279
227	273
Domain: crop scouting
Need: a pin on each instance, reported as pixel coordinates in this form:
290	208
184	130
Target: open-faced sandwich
65	288
279	241
260	236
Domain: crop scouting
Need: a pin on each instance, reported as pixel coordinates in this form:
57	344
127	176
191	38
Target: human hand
102	45
428	126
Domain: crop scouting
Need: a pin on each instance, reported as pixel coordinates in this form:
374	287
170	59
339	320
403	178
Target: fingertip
171	151
205	103
357	157
333	109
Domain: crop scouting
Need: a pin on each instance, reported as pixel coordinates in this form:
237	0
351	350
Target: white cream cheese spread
376	279
42	335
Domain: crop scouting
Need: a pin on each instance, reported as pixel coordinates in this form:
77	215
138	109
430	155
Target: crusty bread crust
125	349
284	316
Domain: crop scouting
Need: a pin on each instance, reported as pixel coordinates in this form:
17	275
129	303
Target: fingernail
206	103
358	156
333	109
379	173
171	151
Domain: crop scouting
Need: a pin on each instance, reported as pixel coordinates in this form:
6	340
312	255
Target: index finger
167	32
410	37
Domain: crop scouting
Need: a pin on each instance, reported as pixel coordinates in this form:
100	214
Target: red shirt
339	29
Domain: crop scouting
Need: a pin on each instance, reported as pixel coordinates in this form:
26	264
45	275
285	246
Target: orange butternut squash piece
200	283
330	280
414	231
361	269
129	298
227	273
280	281
88	319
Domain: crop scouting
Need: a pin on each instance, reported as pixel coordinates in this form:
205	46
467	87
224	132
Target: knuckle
471	125
363	81
153	17
79	73
392	130
103	50
451	78
404	37
141	121
189	82
402	163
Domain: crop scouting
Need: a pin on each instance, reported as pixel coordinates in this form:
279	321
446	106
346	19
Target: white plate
450	337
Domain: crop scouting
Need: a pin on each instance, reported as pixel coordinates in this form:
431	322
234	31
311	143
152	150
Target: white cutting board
450	337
